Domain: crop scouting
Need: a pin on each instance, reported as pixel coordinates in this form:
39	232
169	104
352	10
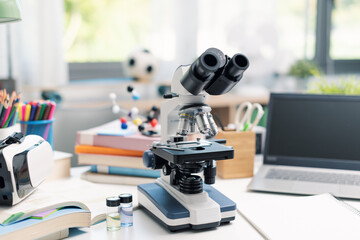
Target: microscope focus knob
166	169
149	159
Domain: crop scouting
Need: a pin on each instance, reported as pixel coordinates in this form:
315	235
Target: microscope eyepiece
229	76
236	66
214	72
203	70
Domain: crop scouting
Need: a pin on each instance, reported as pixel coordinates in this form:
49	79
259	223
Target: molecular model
142	123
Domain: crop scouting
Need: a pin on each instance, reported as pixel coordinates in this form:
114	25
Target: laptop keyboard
296	175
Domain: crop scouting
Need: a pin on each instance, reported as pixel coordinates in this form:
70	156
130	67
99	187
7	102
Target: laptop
312	146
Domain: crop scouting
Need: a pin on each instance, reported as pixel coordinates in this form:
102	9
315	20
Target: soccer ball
141	65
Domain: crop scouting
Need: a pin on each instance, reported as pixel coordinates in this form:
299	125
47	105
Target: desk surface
146	228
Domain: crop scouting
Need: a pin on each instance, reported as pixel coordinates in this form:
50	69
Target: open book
293	217
80	200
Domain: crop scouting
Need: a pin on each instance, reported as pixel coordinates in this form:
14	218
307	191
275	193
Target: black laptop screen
305	129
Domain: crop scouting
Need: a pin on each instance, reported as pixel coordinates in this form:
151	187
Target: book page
293	217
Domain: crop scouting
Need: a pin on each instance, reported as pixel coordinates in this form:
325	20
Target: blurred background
78	51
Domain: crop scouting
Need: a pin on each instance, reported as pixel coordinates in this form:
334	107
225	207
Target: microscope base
161	205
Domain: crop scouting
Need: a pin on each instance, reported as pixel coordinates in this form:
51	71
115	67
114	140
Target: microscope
179	199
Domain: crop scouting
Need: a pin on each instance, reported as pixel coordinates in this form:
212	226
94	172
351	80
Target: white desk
146	227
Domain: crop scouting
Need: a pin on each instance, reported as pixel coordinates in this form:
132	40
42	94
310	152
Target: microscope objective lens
203	123
184	125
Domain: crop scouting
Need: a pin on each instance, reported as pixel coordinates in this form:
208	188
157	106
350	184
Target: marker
27	112
38	110
51	114
43	106
47	111
23	112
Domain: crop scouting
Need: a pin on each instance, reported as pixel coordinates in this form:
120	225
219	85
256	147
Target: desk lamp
9	12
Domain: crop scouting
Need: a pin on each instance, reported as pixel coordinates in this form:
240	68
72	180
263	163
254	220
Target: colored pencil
12	112
3	113
20	110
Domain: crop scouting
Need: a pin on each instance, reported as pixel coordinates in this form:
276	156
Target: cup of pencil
8	113
36	118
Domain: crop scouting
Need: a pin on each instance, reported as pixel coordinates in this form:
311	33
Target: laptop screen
313	130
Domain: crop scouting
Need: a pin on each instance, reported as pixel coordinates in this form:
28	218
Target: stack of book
115	155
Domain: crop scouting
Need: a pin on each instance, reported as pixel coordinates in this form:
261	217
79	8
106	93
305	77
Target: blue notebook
126	171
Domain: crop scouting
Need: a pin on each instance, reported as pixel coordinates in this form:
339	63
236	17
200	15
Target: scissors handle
260	113
242	115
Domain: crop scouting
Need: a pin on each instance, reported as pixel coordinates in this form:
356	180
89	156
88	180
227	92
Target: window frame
322	43
95	70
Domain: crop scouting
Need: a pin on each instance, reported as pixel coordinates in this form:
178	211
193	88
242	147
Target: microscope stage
215	151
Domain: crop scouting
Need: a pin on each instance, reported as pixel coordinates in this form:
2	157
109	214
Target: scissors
243	116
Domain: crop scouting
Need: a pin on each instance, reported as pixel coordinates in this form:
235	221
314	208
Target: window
338	36
104	30
273	33
345	30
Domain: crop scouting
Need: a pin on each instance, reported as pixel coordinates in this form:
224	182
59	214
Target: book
110	160
114	179
60	193
54	226
107	151
56	235
311	217
125	171
62	164
93	137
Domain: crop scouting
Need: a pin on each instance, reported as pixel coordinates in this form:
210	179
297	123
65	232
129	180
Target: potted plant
302	70
349	85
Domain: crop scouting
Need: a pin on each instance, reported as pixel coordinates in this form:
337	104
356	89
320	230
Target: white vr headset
24	163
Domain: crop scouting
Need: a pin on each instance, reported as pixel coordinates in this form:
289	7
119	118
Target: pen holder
5	132
242	165
41	128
